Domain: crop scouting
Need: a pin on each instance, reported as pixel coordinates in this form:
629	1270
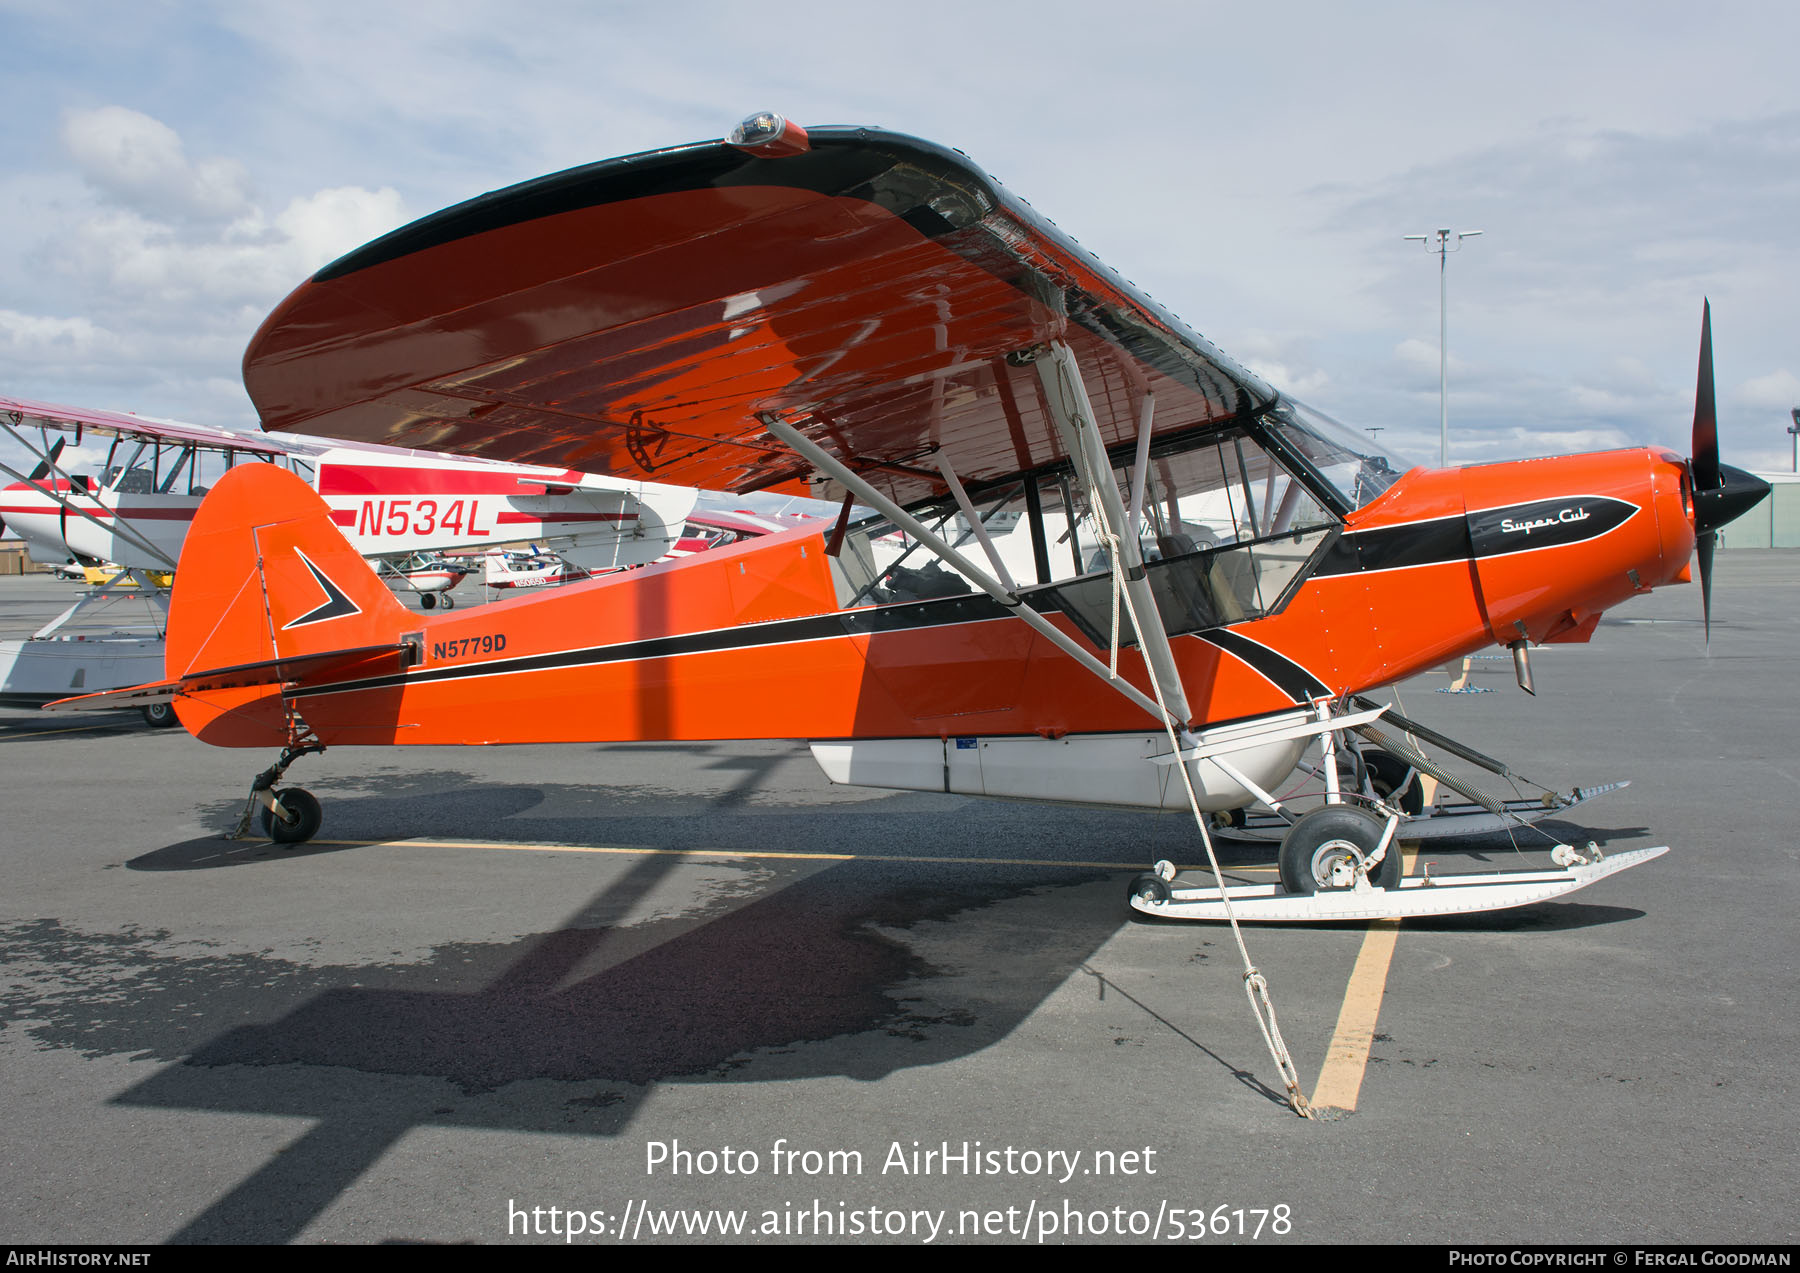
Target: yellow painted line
1347	1059
732	854
26	735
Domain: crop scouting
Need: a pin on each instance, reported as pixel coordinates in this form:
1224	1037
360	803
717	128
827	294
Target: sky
169	171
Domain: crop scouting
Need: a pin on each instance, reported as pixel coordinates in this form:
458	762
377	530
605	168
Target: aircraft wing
637	316
82	420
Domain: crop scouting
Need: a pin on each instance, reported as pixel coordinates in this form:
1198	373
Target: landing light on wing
770	136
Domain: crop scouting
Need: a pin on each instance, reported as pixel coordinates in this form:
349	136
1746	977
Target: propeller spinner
1721	493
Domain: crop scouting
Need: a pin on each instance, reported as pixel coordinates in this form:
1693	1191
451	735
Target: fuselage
755	639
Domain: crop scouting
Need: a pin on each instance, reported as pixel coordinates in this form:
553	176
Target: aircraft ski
1415	898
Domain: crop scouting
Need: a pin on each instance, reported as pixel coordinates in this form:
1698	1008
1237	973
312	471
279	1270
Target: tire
1324	836
427	601
307	816
160	715
1149	888
447	601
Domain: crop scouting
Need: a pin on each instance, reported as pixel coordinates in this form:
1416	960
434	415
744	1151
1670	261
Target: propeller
42	471
1721	493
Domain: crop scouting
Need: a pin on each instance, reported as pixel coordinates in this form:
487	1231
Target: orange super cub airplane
1104	563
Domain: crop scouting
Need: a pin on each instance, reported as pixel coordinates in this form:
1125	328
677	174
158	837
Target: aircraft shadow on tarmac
801	982
817	969
811	970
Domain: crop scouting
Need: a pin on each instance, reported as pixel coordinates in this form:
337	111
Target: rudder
264	574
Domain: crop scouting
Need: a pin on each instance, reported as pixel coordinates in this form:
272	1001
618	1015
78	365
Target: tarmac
592	994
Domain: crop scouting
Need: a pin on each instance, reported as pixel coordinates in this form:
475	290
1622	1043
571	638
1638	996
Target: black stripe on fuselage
971	608
1426	543
1275	667
1286	675
1533	526
1292	679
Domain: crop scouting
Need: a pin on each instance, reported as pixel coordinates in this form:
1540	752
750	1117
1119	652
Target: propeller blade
1705	457
42	471
1703	550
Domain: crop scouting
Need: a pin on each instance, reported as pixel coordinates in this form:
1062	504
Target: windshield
1355	465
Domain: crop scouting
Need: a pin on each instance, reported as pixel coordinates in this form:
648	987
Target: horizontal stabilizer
327	665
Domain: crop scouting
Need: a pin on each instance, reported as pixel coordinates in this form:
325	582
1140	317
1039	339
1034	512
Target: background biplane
126	521
1104	563
391	503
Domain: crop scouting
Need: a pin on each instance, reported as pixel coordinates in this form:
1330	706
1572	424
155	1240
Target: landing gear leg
292	814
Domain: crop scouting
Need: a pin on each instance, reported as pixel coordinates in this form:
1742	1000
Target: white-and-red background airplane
389	502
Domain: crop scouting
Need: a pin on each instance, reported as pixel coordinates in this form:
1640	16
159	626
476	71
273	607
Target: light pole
1444	242
1794	429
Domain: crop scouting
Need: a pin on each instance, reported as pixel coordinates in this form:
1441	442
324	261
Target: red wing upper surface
637	316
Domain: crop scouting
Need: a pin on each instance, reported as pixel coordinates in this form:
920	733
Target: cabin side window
1225	529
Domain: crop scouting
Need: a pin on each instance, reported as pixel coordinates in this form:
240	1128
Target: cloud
1290	380
32	337
1779	390
138	287
169	230
321	227
141	163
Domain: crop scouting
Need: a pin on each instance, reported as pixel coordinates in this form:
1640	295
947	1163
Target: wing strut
120	526
1067	399
840	472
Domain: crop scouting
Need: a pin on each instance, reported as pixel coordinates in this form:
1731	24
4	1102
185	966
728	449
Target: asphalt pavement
635	991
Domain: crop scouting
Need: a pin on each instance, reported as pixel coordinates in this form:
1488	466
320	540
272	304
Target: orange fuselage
749	641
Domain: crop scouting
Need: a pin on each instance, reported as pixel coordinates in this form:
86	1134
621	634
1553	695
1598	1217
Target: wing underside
641	316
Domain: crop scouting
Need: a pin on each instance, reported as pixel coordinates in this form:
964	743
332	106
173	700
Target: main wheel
1338	834
160	715
303	807
427	600
1388	774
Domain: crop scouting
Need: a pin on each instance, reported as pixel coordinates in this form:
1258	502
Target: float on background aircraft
1199	578
398	507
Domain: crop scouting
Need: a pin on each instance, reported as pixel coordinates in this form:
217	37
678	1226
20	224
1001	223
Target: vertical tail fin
264	574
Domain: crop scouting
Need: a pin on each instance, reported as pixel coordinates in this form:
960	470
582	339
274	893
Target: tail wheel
1338	835
160	715
303	808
